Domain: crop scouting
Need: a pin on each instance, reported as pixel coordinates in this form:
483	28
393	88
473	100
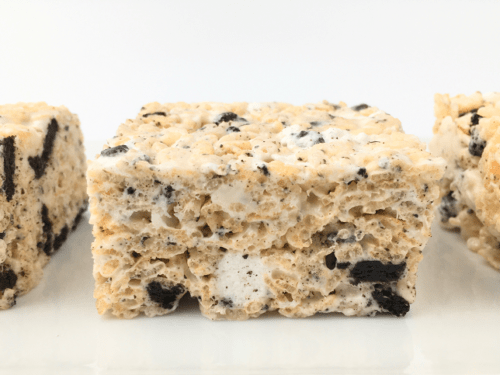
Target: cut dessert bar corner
259	207
42	191
467	135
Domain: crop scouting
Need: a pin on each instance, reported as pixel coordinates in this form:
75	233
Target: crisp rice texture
43	191
467	135
259	207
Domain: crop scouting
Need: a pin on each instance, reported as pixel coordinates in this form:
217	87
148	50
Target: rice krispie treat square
259	207
467	135
43	191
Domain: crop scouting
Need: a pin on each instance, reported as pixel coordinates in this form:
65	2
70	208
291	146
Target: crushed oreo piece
362	172
264	170
60	238
245	256
233	129
448	207
476	144
343	265
168	192
135	254
303	133
2	235
374	270
474	120
165	297
48	235
39	163
390	301
155	114
113	151
130	190
225	117
331	261
78	216
360	107
8	279
9	166
227	302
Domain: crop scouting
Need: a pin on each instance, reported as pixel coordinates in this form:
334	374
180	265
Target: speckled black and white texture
43	191
259	207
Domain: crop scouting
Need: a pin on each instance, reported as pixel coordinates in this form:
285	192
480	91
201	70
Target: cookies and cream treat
42	191
467	135
259	207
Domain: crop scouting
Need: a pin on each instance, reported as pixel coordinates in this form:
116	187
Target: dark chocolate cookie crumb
233	129
362	172
264	170
360	107
60	238
113	151
343	265
390	301
476	144
226	302
448	207
168	192
225	117
245	256
130	190
474	120
78	216
374	270
135	254
46	246
39	163
331	261
9	166
8	279
155	114
2	235
165	297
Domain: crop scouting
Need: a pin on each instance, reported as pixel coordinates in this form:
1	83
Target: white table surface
452	328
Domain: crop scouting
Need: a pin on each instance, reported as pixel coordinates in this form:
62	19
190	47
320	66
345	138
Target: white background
105	59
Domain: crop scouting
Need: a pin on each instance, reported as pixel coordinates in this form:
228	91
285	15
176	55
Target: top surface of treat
27	114
209	137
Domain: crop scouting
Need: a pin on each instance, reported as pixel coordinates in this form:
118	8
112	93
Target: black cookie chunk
78	216
227	302
8	279
233	129
362	172
48	235
360	107
164	296
390	301
343	265
476	144
155	114
375	270
113	151
331	261
225	117
61	238
448	207
9	166
474	120
168	192
39	163
264	170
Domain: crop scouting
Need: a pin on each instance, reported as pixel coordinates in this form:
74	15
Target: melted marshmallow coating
43	191
467	135
259	207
